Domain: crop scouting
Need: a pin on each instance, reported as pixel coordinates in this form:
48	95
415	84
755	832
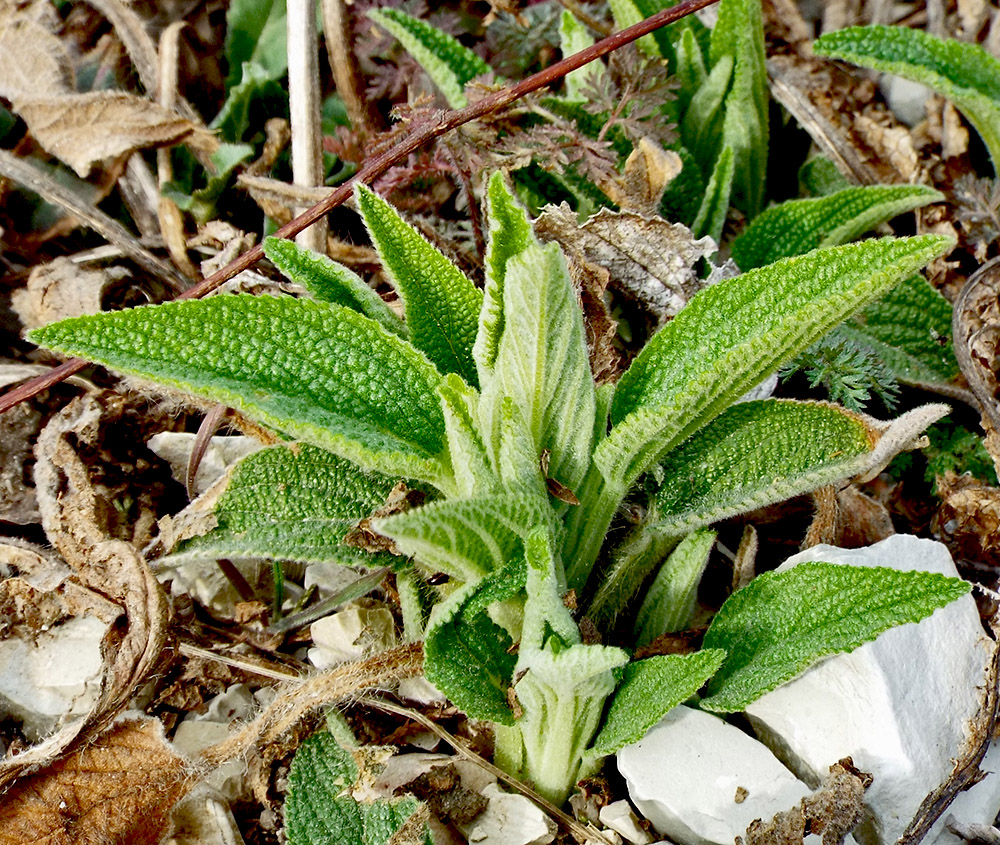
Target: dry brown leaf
648	170
72	518
116	790
847	518
649	260
82	129
62	289
33	61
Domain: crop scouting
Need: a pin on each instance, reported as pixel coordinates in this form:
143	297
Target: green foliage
964	73
491	401
320	808
448	63
770	634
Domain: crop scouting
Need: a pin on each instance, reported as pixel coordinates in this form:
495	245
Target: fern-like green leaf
315	371
442	305
797	226
291	503
783	622
734	333
964	73
329	281
449	65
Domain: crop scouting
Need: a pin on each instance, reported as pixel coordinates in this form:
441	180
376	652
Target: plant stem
587	526
423	132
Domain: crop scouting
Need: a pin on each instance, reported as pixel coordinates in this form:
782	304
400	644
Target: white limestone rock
899	706
701	781
175	448
355	633
619	817
509	820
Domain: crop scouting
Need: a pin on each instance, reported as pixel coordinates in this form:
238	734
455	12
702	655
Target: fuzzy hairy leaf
782	622
467	656
542	362
318	372
732	334
797	226
329	281
291	503
964	73
649	689
670	600
711	215
442	305
320	808
574	37
739	33
910	330
510	233
449	65
466	538
758	453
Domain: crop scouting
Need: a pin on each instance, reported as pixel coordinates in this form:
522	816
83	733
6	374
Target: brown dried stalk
423	132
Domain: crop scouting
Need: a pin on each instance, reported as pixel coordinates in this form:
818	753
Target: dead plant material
116	790
650	260
976	329
72	518
847	518
833	810
61	288
968	519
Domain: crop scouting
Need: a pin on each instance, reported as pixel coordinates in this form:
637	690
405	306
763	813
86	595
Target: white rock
906	98
54	677
509	820
200	818
620	818
351	634
688	773
175	448
898	706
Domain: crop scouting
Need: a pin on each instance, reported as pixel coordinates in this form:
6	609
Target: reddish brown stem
422	133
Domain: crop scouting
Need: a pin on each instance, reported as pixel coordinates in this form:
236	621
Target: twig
422	133
340	51
303	103
582	15
578	830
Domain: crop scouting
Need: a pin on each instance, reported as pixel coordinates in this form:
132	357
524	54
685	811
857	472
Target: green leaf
510	233
964	73
545	612
909	329
669	602
650	689
574	37
711	215
291	503
758	453
258	87
315	371
739	34
474	474
542	362
442	305
691	70
466	538
256	32
701	126
449	65
467	656
320	808
783	622
797	226
732	334
201	203
329	281
819	177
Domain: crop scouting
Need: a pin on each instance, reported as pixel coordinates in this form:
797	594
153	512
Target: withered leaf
649	259
82	129
118	789
33	61
62	289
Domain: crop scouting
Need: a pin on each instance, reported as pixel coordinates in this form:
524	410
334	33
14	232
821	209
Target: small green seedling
484	400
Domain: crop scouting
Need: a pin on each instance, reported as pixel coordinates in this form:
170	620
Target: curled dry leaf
976	329
82	129
71	516
116	790
33	60
847	518
649	260
62	289
649	169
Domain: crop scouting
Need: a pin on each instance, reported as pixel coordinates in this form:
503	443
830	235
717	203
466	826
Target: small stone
510	820
685	775
352	634
620	818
